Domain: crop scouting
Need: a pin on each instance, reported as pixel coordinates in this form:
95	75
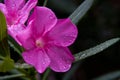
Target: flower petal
25	38
64	33
13	30
3	8
24	12
14	5
29	5
61	58
44	18
37	58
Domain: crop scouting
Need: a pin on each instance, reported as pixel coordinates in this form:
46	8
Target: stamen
39	43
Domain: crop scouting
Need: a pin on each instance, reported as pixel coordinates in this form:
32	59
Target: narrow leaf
109	76
6	65
3	28
11	76
45	76
45	2
95	50
22	66
15	45
81	11
4	49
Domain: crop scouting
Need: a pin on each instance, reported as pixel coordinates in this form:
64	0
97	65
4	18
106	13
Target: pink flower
16	13
46	39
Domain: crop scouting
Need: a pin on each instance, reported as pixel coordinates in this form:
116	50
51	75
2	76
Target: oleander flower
16	13
46	39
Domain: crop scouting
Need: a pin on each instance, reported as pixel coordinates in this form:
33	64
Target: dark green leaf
15	45
109	76
11	76
45	76
7	63
81	11
95	50
4	49
3	28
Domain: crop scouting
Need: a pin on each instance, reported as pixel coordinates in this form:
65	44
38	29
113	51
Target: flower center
39	43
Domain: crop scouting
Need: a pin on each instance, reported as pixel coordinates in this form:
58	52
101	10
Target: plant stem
46	74
45	3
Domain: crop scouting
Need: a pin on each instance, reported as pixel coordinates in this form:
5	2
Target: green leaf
4	49
6	65
3	28
15	45
115	75
12	76
22	66
45	2
81	11
95	50
45	76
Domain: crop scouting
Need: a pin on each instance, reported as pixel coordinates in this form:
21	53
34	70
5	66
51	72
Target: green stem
45	76
45	3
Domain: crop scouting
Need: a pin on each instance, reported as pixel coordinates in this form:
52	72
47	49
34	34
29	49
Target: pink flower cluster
45	38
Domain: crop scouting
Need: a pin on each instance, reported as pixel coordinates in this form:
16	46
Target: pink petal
44	18
25	38
14	5
61	58
14	30
3	8
64	33
37	58
29	5
24	12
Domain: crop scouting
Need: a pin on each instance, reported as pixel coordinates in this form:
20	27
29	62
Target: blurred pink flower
16	13
45	40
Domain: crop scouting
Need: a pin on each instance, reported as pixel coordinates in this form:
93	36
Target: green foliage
81	11
4	49
11	76
3	28
6	65
95	50
114	75
15	45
